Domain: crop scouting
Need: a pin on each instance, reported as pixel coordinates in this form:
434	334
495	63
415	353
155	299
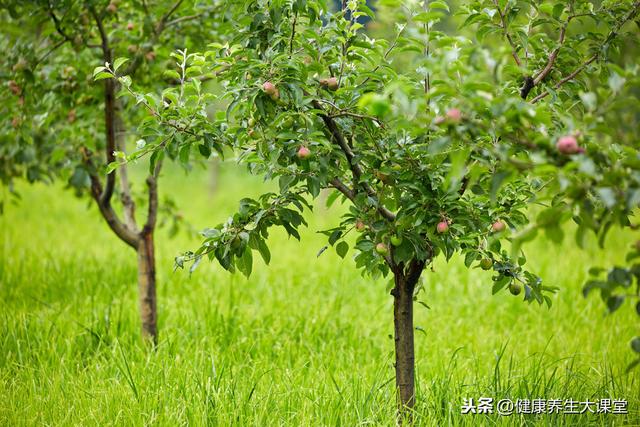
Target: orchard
430	157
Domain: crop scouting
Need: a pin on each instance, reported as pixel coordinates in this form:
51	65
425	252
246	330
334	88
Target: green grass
304	342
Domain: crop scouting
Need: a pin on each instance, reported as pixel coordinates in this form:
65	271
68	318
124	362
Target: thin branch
128	205
342	187
109	112
356	171
514	48
612	35
567	78
130	237
552	58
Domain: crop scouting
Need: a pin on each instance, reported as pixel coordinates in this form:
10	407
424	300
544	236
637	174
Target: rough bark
147	287
405	282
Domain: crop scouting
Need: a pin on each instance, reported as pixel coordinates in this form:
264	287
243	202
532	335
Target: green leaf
342	248
118	63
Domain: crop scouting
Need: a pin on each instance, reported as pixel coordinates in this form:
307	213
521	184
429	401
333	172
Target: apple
360	226
269	88
303	152
382	249
253	134
20	65
382	176
568	144
71	116
454	115
486	263
150	56
132	48
130	26
14	87
515	288
112	7
396	240
332	83
251	122
498	226
442	227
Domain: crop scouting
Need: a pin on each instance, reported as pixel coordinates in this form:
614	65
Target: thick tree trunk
147	287
405	358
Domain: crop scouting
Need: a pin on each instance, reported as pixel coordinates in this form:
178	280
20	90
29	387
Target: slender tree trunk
403	334
147	287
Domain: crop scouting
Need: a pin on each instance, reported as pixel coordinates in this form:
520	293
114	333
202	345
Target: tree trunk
147	287
405	366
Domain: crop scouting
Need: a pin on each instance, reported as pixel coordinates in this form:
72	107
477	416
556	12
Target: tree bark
405	358
405	282
147	287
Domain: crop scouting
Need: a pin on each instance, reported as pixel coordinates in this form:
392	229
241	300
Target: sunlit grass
305	341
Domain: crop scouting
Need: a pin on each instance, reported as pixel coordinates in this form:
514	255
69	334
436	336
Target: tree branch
152	211
109	111
612	35
567	78
514	48
129	207
130	237
356	171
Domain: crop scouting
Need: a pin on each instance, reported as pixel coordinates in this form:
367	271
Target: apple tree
434	142
60	124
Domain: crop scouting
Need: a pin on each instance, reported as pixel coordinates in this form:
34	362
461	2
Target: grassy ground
304	342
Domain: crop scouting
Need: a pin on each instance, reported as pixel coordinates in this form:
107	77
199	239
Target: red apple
382	249
303	152
454	115
112	8
360	226
498	226
130	26
14	87
332	83
269	88
568	144
442	227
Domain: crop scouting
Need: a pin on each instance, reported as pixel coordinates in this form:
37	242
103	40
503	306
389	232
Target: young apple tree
436	144
57	122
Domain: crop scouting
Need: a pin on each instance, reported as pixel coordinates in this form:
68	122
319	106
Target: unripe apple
269	88
253	134
360	226
20	64
303	152
454	115
382	249
498	226
568	144
332	83
486	263
112	8
130	26
251	122
385	178
396	240
515	288
442	227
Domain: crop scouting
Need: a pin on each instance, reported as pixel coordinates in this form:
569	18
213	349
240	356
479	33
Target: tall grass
305	341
